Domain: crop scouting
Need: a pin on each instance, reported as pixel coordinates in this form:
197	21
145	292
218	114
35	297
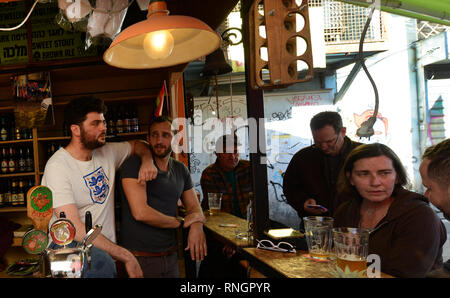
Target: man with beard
81	177
148	223
435	172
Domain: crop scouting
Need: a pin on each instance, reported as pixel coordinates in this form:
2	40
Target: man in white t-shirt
82	176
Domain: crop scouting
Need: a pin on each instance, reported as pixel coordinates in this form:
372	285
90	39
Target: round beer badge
62	231
34	242
41	199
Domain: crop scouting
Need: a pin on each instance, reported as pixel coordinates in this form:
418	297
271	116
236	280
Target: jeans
102	264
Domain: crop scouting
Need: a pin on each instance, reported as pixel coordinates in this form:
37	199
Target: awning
435	11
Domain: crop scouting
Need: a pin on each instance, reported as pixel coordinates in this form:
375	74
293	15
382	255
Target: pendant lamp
161	41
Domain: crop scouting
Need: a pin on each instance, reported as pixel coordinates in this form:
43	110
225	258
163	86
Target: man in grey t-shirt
149	211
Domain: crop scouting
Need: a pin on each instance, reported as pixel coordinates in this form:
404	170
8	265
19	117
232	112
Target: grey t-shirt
162	194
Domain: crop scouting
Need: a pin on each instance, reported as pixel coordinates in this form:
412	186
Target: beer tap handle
88	221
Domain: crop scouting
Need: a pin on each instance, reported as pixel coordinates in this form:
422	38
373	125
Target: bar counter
269	263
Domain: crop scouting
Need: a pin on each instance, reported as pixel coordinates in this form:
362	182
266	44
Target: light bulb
159	44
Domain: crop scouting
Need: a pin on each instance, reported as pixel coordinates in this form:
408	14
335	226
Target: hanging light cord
24	21
366	129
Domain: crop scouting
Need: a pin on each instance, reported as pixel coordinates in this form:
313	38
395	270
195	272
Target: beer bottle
14	193
127	120
12	162
111	127
17	135
21	161
21	193
29	165
135	120
119	122
2	194
3	129
5	158
7	193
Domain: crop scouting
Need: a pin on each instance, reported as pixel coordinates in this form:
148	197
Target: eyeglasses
280	247
330	143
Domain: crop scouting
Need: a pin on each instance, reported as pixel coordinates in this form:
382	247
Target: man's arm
137	199
148	171
117	252
195	219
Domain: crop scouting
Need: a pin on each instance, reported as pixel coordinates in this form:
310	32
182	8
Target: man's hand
314	211
147	172
197	242
133	268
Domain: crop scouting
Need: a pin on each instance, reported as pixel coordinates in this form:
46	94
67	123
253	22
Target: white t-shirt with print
87	184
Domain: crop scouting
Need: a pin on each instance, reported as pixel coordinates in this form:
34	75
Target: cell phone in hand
320	207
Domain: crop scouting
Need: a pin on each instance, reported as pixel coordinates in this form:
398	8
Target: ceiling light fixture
161	41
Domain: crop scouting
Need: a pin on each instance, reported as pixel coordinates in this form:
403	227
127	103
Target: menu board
13	44
49	40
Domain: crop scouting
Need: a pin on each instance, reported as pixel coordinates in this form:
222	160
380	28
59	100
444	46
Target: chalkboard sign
49	40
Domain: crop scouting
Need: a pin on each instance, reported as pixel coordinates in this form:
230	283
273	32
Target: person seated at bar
435	172
405	232
311	176
149	210
232	177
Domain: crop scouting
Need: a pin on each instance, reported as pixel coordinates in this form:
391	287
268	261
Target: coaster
316	260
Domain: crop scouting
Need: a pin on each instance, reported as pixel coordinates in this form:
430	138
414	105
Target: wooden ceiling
212	12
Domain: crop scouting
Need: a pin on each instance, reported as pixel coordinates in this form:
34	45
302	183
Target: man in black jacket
311	176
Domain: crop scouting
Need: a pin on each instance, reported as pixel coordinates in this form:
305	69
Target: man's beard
162	155
90	144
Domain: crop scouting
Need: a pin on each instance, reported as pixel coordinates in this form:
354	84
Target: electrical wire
366	128
24	21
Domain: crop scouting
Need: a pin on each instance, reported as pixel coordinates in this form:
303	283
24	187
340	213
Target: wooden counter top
291	265
226	235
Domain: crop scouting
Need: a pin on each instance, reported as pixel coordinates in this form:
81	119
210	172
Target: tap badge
62	231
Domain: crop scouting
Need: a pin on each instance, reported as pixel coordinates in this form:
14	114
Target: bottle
12	162
14	193
21	161
127	120
7	193
119	122
17	133
5	158
3	129
2	194
21	193
134	120
29	164
112	122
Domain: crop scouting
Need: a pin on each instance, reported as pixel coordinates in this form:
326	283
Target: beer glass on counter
351	246
215	203
318	236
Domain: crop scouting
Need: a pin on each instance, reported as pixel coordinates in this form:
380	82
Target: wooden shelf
13	209
12	175
16	141
53	138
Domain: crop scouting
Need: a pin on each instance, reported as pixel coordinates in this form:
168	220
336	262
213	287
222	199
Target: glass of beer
215	203
318	236
351	246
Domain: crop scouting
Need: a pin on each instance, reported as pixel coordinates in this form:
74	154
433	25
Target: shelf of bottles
17	164
122	120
